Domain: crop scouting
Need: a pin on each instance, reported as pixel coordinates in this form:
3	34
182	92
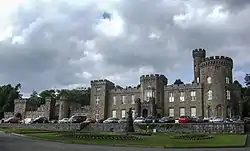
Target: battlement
217	60
152	77
199	53
101	82
128	89
173	87
21	101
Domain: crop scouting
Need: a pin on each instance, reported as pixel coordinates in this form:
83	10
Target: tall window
228	95
193	111
182	97
193	95
209	80
123	99
97	100
209	95
148	95
198	79
114	113
171	112
133	114
171	97
132	99
114	100
182	111
227	80
123	113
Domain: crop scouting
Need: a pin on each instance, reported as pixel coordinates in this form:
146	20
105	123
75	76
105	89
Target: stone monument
130	123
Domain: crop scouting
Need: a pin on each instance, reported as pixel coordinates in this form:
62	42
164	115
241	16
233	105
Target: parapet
101	82
199	53
128	89
152	77
174	87
217	60
21	101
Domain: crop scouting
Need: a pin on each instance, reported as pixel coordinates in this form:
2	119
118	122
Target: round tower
198	56
216	77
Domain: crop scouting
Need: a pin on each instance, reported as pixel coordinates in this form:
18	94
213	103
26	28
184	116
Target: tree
130	125
178	82
247	80
8	94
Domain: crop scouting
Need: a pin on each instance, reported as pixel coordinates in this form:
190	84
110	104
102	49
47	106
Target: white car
111	120
64	120
27	121
216	120
139	120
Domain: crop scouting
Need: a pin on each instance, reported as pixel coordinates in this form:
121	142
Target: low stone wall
46	126
237	128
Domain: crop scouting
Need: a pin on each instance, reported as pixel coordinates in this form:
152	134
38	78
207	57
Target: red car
12	120
184	119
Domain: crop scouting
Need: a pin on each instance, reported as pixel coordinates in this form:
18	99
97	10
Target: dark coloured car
41	120
246	120
167	120
12	120
77	119
149	119
89	120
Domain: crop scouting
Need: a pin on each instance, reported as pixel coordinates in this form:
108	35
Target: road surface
16	143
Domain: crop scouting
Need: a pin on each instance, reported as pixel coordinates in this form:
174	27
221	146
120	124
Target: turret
198	56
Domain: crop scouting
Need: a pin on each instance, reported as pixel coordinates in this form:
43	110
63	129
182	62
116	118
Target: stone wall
46	126
8	114
237	128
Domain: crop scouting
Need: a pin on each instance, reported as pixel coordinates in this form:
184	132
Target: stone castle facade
52	109
212	93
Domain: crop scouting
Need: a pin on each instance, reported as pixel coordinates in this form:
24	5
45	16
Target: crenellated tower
152	86
216	77
198	56
99	99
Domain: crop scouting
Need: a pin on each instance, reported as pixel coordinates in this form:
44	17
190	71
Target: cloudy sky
63	44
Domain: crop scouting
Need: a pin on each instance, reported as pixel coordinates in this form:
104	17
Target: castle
212	93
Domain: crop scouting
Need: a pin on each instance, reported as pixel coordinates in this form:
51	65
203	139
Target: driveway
16	143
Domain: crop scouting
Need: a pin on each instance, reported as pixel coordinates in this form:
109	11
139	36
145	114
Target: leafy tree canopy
178	81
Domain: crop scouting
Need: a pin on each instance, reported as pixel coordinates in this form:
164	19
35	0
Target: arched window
209	80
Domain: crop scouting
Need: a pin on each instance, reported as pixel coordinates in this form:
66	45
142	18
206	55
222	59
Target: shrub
141	133
192	136
104	136
145	126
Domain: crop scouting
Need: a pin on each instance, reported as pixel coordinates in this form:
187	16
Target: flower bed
103	136
140	133
192	136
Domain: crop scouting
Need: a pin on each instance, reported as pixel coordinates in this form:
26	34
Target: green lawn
157	140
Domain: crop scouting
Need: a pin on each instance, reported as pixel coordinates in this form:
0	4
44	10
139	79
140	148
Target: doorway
144	113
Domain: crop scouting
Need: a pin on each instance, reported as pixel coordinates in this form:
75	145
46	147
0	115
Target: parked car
149	119
27	121
123	120
198	119
216	120
12	120
54	121
77	119
64	120
167	120
246	120
139	120
89	120
184	119
111	120
100	120
41	120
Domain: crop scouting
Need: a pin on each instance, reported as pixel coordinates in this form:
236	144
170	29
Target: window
132	99
123	113
227	80
148	95
209	80
198	79
98	89
171	112
182	97
209	95
97	99
228	95
114	113
193	95
193	111
133	113
114	100
171	97
182	111
123	99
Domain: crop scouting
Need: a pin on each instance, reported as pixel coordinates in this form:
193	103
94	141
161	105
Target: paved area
14	143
